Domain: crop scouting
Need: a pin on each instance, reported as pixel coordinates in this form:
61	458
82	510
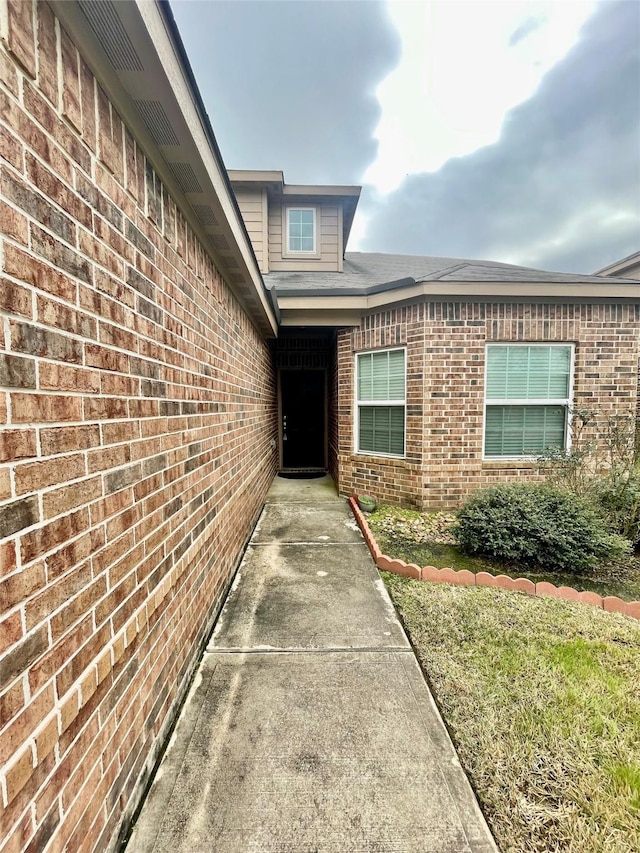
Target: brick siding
333	420
445	388
137	404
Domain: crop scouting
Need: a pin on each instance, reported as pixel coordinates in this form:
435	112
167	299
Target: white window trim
492	401
381	403
295	252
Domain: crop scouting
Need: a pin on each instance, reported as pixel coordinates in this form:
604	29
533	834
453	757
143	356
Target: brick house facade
446	347
446	315
141	391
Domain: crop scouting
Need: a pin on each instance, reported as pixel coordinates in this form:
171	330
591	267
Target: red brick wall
445	388
137	406
333	380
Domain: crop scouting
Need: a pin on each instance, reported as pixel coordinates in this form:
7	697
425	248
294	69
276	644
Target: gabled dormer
293	227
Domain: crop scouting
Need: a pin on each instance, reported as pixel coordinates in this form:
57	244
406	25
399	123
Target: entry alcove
305	359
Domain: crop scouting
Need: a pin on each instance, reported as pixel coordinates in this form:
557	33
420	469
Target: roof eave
321	191
165	79
322	308
621	265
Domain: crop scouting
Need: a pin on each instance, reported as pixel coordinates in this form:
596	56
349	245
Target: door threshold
302	473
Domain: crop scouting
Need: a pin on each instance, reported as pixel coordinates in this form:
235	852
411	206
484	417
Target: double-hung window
301	229
528	394
380	402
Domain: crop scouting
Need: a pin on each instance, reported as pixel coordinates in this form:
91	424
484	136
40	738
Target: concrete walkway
309	728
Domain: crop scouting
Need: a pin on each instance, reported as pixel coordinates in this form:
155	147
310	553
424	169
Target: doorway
303	419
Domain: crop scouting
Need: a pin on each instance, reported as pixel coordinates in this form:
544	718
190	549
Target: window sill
511	462
359	454
305	256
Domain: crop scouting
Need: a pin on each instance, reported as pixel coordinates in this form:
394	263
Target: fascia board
321	303
336	318
508	290
311	190
255	176
501	291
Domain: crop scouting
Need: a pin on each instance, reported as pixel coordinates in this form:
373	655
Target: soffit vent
186	177
110	32
231	263
236	278
157	122
219	241
205	214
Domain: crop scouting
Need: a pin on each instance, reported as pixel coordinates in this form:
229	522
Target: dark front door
302	398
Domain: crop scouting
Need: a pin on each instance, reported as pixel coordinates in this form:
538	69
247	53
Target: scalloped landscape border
463	577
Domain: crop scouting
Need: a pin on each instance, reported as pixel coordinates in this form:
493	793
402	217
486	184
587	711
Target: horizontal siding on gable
252	216
251	208
249	202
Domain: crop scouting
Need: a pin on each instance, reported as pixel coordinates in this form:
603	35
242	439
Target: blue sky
500	130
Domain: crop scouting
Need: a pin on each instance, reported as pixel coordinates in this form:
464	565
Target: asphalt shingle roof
367	269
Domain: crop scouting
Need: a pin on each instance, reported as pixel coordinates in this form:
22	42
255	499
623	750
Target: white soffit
133	53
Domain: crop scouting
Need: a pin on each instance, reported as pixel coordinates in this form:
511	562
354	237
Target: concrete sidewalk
309	727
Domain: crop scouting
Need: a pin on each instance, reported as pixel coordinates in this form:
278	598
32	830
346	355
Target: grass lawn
425	539
542	699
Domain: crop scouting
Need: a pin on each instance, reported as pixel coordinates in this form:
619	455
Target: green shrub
602	466
536	525
618	500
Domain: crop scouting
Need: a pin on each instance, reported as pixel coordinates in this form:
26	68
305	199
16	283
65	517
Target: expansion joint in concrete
302	651
307	544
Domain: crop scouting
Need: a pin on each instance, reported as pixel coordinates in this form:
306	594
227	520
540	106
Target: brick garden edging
463	577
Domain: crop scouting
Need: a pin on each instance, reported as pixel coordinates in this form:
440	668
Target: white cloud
464	65
358	231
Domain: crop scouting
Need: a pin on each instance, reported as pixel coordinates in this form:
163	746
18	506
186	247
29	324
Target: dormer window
301	230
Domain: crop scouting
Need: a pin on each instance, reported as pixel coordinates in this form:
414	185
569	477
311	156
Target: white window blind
381	381
527	372
528	389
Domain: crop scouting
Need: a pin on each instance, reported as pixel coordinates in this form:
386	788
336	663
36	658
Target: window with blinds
528	392
380	402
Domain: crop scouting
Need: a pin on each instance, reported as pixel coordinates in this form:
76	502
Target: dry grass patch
542	699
